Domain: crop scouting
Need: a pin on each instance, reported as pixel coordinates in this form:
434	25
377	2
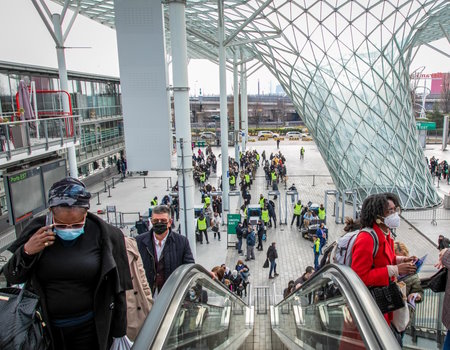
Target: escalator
333	310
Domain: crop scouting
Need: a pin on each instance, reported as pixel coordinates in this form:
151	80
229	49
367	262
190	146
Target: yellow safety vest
245	213
316	246
247	178
201	224
274	176
265	215
153	202
261	203
321	214
232	180
203	177
297	209
257	157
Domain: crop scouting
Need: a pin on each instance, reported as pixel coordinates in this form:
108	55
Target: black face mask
159	228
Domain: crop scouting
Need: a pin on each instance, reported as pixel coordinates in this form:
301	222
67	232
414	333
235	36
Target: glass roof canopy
345	65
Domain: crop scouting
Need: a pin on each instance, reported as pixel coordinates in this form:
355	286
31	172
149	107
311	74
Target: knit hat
68	192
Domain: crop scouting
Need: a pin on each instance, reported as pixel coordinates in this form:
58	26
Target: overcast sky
25	39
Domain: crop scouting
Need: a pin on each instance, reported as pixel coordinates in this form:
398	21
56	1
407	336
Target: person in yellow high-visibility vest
202	228
273	176
247	180
265	216
154	201
321	213
297	213
232	181
207	201
202	178
261	201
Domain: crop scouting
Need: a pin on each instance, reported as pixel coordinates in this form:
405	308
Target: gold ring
46	244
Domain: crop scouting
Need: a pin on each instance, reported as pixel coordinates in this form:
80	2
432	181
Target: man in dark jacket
272	215
141	225
272	254
162	250
261	230
239	236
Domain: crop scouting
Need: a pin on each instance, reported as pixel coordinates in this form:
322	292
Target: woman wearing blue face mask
78	265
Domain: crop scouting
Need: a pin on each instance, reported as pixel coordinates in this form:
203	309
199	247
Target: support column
64	85
182	119
244	105
236	105
445	133
223	109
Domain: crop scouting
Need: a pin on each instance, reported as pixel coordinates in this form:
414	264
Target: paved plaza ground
295	253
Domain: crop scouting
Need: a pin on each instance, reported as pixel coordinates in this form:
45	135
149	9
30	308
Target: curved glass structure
345	65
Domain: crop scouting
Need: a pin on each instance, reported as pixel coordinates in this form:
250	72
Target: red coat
373	271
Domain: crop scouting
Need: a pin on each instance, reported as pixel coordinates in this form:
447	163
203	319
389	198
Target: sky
29	42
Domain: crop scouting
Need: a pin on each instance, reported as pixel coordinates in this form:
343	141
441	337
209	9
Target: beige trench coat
139	299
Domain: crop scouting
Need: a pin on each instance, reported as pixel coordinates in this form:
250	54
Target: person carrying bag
21	323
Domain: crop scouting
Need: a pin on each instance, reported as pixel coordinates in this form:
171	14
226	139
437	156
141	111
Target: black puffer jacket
176	252
110	308
272	253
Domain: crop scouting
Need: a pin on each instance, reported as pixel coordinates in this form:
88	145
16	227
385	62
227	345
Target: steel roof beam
246	22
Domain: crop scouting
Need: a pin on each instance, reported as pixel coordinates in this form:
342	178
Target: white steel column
244	102
182	119
64	85
223	109
236	105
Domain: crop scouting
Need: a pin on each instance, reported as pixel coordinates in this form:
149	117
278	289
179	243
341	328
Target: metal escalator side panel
335	310
192	309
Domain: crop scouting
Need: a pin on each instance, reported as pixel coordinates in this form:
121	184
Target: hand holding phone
44	237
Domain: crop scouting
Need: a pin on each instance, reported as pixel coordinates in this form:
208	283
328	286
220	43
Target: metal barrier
122	220
26	135
433	215
294	199
427	321
336	204
262	299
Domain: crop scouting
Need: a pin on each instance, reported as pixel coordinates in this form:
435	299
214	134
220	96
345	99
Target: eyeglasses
397	210
66	226
156	221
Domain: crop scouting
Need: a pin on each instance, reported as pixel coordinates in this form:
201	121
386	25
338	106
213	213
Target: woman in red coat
381	212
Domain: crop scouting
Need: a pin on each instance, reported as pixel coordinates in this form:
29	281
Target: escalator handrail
178	280
360	300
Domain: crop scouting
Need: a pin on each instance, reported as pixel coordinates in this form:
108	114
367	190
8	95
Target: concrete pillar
182	119
223	108
244	105
445	133
236	105
64	85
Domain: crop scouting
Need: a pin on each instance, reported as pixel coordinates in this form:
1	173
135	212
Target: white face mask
392	221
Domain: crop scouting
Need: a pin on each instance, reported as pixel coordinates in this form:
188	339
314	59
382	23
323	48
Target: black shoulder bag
21	323
388	298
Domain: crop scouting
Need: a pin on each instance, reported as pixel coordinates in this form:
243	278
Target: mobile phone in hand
49	219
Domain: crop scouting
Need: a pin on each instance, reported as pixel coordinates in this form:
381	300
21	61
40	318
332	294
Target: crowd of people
71	244
438	168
